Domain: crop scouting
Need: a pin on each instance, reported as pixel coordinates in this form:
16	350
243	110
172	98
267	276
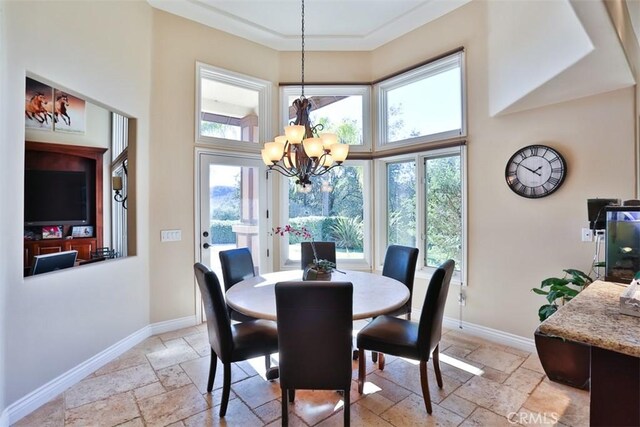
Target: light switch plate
170	235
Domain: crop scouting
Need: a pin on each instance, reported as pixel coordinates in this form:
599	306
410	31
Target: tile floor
162	382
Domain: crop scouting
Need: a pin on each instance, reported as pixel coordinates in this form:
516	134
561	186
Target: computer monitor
595	209
52	262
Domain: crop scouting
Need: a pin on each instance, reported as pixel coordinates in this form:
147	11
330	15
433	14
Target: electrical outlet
462	299
587	235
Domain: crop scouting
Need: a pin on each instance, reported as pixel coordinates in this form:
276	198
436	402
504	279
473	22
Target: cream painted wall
60	320
5	176
177	45
516	242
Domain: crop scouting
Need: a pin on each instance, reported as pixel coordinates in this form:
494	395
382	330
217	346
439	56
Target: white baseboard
48	391
500	337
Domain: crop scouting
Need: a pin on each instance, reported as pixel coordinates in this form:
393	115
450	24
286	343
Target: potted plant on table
563	361
319	269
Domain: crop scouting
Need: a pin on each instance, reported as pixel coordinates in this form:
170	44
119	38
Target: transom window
422	105
231	108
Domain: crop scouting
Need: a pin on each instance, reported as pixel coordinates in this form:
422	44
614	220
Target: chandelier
302	152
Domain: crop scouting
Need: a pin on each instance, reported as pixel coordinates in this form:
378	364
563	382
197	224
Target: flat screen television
55	197
52	262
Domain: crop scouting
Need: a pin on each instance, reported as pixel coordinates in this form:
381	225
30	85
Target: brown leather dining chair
231	342
237	265
325	250
314	335
403	338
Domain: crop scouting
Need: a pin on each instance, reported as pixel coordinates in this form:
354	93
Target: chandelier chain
302	48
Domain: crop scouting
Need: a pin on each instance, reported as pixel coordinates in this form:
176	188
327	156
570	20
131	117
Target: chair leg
424	382
292	395
346	398
285	408
226	388
374	356
381	361
436	365
362	370
267	362
212	370
408	316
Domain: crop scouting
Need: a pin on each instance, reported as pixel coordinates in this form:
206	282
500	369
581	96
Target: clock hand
531	170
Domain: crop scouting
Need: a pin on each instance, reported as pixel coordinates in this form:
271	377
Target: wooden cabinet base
565	362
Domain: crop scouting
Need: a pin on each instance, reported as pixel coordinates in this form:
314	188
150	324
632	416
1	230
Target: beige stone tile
570	404
51	414
462	339
269	412
136	422
255	391
388	389
173	377
172	406
359	416
522	353
496	359
176	424
482	417
111	411
180	333
313	406
198	371
176	352
412	412
149	345
536	419
456	351
498	398
127	360
455	372
103	386
408	375
376	403
524	380
494	374
238	414
458	405
200	343
149	390
533	363
294	421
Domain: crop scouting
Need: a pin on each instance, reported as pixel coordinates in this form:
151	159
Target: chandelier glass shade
303	152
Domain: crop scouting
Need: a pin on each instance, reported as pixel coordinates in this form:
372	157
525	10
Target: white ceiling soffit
578	54
335	25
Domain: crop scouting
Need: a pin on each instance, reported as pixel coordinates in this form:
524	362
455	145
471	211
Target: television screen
52	262
55	197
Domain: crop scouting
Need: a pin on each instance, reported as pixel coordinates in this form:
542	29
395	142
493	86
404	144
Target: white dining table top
372	294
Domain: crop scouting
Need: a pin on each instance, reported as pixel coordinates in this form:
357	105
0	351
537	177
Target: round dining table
372	294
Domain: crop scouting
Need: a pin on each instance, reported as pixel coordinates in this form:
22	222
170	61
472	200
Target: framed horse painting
38	107
68	113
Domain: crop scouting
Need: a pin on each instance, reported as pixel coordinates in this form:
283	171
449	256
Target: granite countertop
594	318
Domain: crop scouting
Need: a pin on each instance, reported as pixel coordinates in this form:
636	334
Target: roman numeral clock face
535	171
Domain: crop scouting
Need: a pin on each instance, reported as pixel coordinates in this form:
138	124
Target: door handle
206	245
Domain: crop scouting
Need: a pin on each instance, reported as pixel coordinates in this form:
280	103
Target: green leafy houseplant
559	291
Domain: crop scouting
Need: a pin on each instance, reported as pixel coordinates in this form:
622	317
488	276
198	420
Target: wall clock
535	171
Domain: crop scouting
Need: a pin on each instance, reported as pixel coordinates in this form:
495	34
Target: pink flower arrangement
301	232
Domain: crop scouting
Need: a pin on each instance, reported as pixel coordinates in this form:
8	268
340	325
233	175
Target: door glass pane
339	114
228	111
332	211
233	212
401	203
444	210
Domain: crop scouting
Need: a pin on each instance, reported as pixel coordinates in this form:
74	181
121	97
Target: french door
232	208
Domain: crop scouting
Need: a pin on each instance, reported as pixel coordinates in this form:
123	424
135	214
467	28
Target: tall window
232	108
119	160
333	211
425	206
422	105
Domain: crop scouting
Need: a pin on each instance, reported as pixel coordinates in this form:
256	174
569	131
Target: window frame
361	264
328	90
420	73
422	271
264	89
